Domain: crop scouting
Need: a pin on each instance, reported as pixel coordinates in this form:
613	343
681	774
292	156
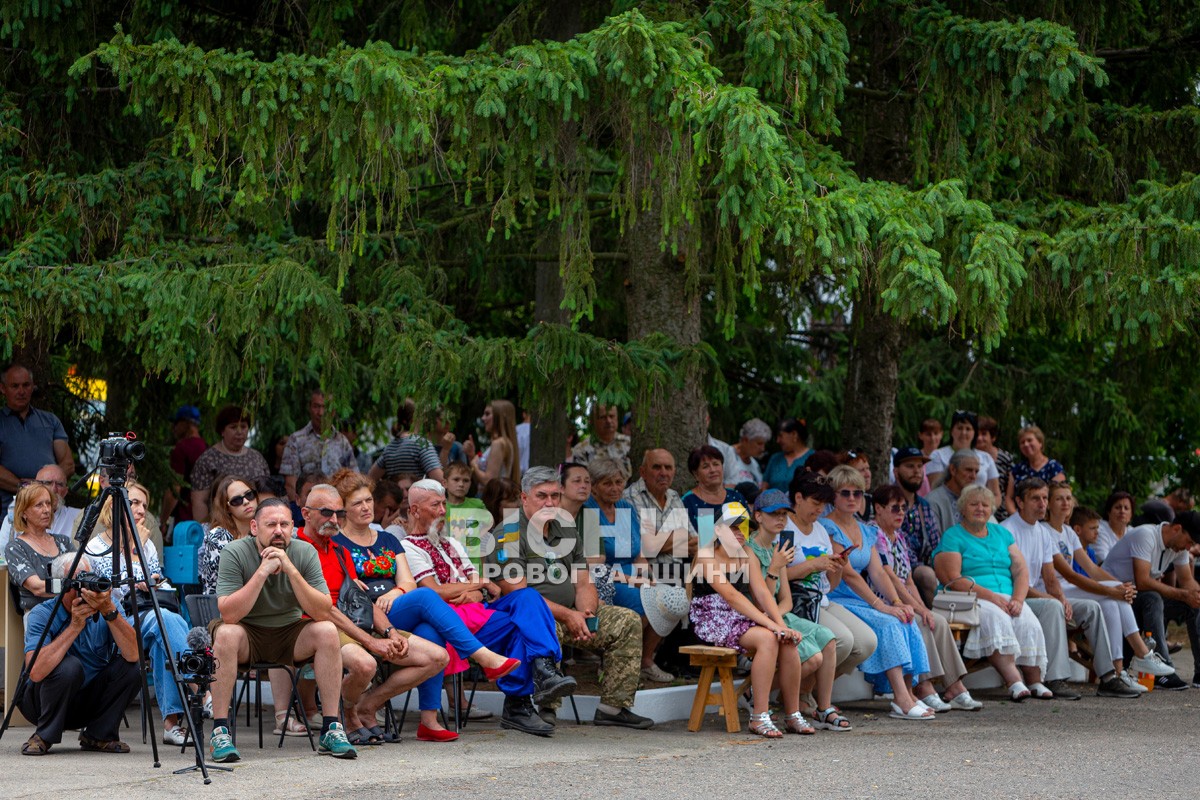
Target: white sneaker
1151	663
176	736
964	702
936	703
1129	681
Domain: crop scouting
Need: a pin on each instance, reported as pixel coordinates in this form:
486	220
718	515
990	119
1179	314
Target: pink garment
474	616
924	490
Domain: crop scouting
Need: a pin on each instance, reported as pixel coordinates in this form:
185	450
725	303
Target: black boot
548	682
519	715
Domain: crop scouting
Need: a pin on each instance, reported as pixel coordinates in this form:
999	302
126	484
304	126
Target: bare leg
789	679
360	667
650	643
823	690
1006	665
1032	674
1137	644
903	694
763	647
319	641
230	648
281	690
423	660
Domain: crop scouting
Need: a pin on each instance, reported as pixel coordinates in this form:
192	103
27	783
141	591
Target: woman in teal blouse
981	557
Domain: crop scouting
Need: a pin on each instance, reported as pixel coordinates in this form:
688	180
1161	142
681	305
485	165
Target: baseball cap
771	500
1190	522
905	453
190	413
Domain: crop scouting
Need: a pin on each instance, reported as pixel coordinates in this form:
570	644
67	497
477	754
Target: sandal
294	726
94	745
831	719
363	736
1039	691
36	746
386	737
1018	692
761	725
919	711
796	723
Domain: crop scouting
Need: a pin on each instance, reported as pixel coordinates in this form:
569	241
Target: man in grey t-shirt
1143	556
266	583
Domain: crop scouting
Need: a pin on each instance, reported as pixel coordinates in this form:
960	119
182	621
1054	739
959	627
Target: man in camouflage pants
551	559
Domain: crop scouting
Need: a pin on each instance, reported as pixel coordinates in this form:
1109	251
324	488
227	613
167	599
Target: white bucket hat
665	606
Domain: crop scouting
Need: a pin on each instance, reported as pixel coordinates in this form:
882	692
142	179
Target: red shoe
502	670
430	735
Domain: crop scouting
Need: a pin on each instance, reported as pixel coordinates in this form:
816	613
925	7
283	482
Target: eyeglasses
898	508
55	484
850	493
328	513
238	500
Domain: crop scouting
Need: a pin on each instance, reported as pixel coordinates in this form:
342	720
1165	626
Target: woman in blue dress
900	654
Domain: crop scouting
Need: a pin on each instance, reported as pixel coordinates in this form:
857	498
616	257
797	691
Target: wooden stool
721	661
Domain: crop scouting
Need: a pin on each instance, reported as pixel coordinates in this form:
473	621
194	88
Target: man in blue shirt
86	673
29	437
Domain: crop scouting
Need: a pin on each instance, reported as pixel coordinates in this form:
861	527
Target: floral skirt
717	623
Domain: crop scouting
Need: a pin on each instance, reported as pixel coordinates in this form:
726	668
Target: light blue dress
622	541
900	644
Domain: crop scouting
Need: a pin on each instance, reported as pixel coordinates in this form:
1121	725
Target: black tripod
116	453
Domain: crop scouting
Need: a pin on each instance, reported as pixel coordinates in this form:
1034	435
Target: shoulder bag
352	601
957	607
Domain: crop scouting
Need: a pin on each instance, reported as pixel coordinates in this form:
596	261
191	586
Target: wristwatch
388	631
111	615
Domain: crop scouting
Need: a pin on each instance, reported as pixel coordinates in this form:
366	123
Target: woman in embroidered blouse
945	662
374	551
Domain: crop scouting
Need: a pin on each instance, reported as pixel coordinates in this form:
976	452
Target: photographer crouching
86	673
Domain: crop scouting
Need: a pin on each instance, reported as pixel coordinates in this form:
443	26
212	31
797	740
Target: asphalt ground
1095	747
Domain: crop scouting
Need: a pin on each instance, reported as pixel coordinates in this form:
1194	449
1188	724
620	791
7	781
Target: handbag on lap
957	607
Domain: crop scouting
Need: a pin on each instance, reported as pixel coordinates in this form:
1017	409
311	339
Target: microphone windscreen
198	639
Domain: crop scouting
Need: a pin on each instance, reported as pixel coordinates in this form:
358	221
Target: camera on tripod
81	580
118	451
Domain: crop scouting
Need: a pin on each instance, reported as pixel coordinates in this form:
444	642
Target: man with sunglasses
63	523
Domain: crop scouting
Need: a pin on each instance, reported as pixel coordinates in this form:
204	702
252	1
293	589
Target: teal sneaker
334	743
221	745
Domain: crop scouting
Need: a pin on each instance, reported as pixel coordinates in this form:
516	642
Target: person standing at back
317	447
29	437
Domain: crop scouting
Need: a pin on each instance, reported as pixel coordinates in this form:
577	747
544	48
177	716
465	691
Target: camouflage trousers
618	640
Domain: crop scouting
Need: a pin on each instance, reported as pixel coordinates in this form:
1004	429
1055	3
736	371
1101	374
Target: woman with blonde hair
33	548
502	459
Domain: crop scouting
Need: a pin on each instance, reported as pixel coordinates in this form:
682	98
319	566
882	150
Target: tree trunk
549	427
872	380
658	301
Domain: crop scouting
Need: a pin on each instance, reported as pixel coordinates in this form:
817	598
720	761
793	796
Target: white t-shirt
1037	542
812	545
940	460
1145	543
523	445
1066	541
736	470
1105	541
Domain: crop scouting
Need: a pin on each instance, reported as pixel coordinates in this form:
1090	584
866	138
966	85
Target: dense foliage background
860	213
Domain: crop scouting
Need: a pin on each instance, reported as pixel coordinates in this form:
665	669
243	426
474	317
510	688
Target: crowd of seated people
801	565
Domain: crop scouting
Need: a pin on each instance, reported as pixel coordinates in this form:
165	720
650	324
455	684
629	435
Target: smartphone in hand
845	554
787	539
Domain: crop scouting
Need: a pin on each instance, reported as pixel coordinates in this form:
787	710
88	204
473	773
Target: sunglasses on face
328	513
238	500
898	508
850	493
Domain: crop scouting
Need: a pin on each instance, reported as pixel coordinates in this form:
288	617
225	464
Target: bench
1074	635
720	661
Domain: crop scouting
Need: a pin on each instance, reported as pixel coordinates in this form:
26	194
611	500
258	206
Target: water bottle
1145	678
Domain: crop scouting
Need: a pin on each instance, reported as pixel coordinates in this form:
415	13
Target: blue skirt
900	644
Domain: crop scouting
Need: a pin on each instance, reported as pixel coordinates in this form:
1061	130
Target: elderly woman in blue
901	653
621	538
